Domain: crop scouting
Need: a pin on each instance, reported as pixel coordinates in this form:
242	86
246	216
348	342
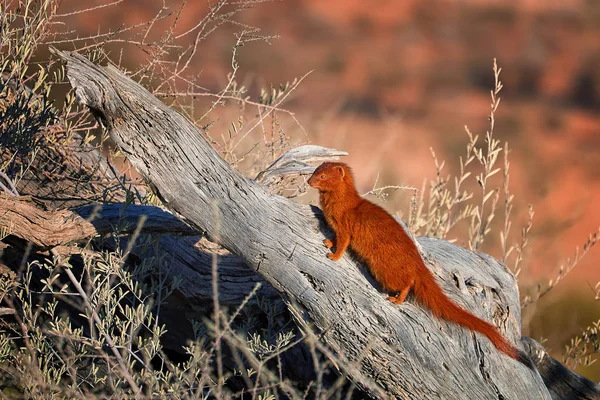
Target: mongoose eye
323	176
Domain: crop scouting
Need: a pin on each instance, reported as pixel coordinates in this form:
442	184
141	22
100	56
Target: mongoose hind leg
399	298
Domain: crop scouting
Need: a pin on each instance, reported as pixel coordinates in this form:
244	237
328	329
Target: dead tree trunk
402	351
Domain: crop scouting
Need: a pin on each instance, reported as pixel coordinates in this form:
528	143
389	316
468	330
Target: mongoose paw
328	243
395	299
333	256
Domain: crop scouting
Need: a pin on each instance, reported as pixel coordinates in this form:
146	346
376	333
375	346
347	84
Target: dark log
562	383
401	351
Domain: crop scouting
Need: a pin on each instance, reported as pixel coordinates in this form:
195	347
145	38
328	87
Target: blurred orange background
392	79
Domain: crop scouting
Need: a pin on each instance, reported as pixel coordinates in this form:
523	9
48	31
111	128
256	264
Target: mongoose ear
341	170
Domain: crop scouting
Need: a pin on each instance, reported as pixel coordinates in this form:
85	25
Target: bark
399	351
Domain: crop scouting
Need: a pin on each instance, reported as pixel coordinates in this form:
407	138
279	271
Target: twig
10	188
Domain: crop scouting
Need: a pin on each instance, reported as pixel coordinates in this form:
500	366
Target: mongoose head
330	176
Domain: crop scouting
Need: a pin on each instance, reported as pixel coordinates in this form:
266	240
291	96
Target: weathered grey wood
403	349
189	256
295	161
287	175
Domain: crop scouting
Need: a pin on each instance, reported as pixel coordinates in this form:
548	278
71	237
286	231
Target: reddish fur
391	255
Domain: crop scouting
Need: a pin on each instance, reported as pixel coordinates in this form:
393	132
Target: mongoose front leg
328	243
342	240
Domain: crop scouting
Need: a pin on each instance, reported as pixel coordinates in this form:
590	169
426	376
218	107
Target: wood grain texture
189	255
22	218
400	350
